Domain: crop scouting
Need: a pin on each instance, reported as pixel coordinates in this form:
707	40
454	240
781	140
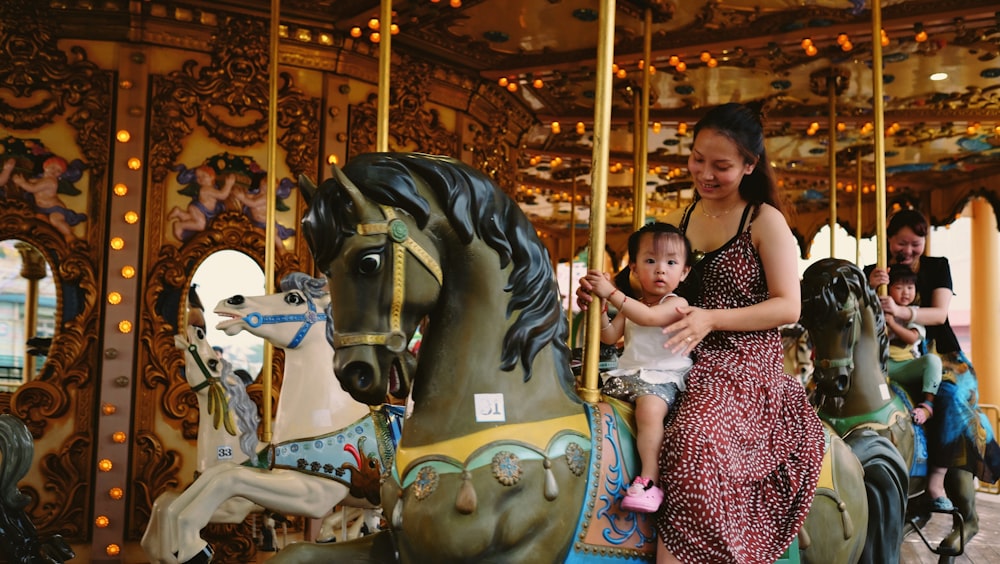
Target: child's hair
659	230
56	160
902	274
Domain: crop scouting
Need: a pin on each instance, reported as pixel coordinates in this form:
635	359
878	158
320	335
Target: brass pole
384	64
857	229
642	127
831	92
271	188
879	134
599	189
572	253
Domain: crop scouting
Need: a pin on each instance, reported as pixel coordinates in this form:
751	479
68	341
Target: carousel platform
983	549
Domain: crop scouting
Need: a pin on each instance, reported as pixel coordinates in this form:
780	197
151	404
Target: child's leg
650	411
935	482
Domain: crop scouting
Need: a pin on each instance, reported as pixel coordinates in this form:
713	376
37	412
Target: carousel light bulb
622	73
118	437
117	243
455	3
712	63
120	189
682	66
512	87
331	159
806	43
125	84
811	50
134	163
116	493
580	128
555	127
104	465
123	136
108	409
102	521
375	37
131	217
125	326
394	29
112	549
705	56
356	32
374	24
114	298
503	81
537	83
128	271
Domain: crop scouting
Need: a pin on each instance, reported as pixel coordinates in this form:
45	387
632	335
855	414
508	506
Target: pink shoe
642	496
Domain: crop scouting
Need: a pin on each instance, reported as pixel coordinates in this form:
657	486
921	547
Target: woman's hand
890	307
583	294
689	331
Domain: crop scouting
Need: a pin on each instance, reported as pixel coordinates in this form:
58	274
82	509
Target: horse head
285	319
837	307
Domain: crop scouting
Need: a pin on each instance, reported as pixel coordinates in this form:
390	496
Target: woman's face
716	165
905	247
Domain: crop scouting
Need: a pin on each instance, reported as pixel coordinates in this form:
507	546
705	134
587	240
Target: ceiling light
939	76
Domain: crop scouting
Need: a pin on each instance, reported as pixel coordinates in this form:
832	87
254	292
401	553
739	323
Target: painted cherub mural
223	182
34	174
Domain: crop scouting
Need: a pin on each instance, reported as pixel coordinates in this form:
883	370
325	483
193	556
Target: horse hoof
204	556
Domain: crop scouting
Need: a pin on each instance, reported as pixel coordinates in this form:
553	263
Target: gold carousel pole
879	138
384	64
272	189
831	89
599	189
572	255
857	229
642	128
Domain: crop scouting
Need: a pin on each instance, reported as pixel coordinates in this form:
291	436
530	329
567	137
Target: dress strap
686	217
746	215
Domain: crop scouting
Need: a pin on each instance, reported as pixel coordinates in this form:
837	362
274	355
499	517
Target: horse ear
307	187
359	200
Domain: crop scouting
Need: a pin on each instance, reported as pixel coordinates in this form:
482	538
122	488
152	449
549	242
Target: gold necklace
715	215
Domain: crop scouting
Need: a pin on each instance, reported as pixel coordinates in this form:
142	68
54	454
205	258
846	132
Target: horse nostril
236	300
360	375
842	382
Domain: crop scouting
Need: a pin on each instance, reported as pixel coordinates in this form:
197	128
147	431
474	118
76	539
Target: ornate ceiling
942	143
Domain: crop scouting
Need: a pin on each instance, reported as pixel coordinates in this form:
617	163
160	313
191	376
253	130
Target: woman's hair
743	125
907	218
659	230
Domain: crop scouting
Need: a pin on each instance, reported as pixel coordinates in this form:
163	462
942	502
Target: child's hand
598	280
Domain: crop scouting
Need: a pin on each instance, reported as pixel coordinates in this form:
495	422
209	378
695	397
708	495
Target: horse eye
213	364
370	263
200	333
294	299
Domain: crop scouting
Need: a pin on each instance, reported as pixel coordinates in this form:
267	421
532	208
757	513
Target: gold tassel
551	486
846	517
466	501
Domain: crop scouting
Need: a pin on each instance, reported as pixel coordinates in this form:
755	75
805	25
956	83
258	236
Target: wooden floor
984	548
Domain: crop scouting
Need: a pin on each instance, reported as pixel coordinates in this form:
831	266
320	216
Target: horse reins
397	231
256	319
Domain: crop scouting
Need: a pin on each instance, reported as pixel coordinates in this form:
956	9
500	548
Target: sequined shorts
628	388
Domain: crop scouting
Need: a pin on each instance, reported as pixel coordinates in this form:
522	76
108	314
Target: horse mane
247	418
475	207
825	285
313	288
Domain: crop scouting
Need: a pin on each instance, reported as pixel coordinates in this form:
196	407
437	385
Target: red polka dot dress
742	450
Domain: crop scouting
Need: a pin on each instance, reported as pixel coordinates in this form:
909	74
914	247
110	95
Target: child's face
659	265
903	293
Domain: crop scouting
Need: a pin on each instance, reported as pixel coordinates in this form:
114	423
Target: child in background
648	374
908	367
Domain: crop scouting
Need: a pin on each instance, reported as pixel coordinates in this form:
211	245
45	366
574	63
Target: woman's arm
937	312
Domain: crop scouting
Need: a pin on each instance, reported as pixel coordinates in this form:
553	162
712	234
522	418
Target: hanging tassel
551	486
466	501
846	518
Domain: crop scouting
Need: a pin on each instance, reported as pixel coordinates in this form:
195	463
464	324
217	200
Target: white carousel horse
227	421
327	448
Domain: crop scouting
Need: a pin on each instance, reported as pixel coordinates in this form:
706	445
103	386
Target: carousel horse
326	448
227	421
20	542
500	460
847	329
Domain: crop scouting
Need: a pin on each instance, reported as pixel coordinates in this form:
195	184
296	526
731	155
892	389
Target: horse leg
285	492
961	490
154	540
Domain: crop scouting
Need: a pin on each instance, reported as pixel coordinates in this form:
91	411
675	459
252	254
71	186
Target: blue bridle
308	318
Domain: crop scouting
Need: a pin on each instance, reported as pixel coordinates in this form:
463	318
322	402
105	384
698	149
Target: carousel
279	279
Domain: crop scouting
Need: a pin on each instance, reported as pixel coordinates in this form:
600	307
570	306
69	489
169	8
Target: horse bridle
256	319
847	361
399	234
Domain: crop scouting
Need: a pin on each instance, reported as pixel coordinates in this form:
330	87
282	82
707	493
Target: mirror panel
27	312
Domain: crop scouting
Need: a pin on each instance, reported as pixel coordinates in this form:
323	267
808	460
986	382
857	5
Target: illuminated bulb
134	163
325	39
104	465
356	32
128	271
537	83
972	129
512	87
375	37
117	243
503	81
621	73
921	36
847	46
673	60
108	409
125	84
884	40
116	493
331	159
120	189
102	521
118	437
555	127
705	56
123	136
131	217
373	24
682	128
642	63
712	63
112	549
455	3
580	128
125	326
842	38
811	50
657	126
394	29
806	43
841	126
682	66
114	298
614	68
652	69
